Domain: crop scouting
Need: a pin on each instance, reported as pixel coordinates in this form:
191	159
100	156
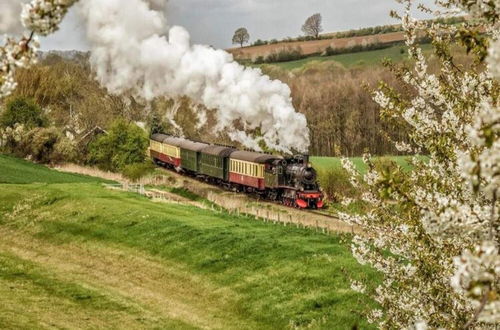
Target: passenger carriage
165	149
249	168
214	162
191	155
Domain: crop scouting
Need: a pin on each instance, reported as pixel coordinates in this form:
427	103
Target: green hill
14	170
360	59
75	254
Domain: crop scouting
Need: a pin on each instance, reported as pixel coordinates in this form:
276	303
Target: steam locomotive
291	180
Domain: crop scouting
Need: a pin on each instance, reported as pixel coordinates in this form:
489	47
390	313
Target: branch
479	309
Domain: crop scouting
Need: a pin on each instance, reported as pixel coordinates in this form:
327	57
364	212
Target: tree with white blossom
41	18
435	232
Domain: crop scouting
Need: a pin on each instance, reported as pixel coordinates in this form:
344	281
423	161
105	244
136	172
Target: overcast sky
213	22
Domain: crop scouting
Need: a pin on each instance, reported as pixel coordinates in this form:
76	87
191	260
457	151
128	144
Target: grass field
325	163
367	58
77	255
14	170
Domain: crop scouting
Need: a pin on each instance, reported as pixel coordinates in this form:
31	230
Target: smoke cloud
10	17
134	51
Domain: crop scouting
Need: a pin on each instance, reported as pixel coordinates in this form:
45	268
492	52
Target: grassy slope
76	252
14	170
368	58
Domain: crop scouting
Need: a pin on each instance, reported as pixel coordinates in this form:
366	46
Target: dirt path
157	288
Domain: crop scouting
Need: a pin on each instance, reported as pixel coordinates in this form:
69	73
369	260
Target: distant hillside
315	46
334	42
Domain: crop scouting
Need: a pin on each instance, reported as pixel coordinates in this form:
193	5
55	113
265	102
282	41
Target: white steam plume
10	17
131	53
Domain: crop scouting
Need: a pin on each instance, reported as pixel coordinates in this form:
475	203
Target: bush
330	51
125	144
47	146
335	184
259	42
24	112
135	172
11	138
282	55
42	145
64	151
259	60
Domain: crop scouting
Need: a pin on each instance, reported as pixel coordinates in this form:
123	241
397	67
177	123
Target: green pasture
264	276
19	171
366	58
326	163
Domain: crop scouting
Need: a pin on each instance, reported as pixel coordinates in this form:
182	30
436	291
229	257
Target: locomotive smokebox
302	173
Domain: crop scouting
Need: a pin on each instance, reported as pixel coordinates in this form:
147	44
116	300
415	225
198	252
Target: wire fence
240	206
292	217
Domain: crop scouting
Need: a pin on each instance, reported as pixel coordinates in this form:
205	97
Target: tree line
313	26
343	119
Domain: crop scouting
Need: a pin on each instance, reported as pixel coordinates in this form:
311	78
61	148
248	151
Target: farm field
314	46
76	254
365	58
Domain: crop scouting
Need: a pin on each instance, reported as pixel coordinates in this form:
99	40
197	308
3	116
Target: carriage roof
254	157
159	137
193	146
218	151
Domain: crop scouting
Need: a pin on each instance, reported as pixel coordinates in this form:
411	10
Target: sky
213	22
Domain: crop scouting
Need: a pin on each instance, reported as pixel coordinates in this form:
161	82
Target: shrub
11	138
42	145
260	42
330	51
125	144
335	184
47	146
283	55
64	151
137	171
259	60
24	112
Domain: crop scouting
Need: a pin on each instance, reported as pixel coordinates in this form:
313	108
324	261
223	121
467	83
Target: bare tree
241	36
312	26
